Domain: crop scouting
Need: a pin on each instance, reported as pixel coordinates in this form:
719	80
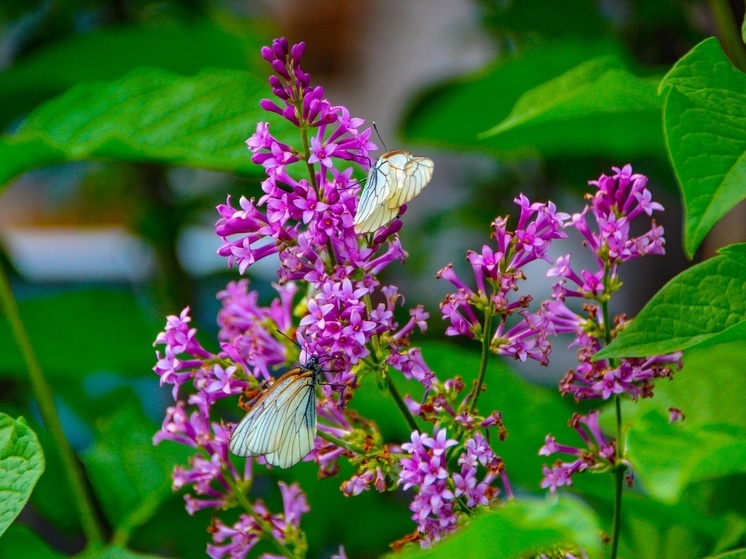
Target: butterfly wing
412	178
282	423
372	212
300	431
395	179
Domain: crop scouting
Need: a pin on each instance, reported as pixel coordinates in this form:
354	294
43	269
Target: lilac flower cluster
307	225
211	474
439	489
242	536
619	199
443	496
497	273
598	452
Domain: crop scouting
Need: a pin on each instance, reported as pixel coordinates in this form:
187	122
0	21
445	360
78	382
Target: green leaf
118	552
710	443
706	300
118	339
519	528
21	464
705	128
110	53
453	114
565	115
654	530
19	542
131	477
737	253
149	115
735	554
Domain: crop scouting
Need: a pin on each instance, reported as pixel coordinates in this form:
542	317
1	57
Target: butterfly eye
394	180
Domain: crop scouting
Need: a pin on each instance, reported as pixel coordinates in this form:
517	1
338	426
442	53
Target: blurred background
100	249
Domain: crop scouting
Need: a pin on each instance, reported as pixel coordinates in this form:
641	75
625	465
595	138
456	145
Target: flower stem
340	443
486	337
728	33
400	403
619	482
619	468
263	524
82	498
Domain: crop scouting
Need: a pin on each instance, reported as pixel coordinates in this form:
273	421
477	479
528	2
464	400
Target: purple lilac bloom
237	540
619	200
306	225
425	468
497	271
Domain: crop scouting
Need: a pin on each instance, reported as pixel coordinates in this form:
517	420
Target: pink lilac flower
424	467
245	533
497	271
596	447
619	200
327	276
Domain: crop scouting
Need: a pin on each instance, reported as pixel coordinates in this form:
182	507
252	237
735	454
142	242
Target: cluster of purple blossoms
439	490
210	472
497	273
597	452
327	284
243	535
442	496
619	199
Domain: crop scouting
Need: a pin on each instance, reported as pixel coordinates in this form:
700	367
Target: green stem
82	498
401	405
307	156
619	468
619	471
248	507
486	338
339	442
729	33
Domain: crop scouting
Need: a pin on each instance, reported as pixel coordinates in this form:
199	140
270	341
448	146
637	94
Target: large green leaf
149	115
705	303
21	464
110	53
598	107
19	542
119	552
518	529
737	253
711	441
455	113
705	128
83	331
655	530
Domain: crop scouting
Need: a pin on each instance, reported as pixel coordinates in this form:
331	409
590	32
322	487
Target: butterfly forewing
395	179
282	422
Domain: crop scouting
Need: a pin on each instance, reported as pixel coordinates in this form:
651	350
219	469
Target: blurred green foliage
178	84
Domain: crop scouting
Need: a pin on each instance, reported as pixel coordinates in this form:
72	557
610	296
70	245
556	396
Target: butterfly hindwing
395	179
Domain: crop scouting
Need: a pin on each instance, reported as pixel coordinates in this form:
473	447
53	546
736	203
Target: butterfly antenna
379	136
288	338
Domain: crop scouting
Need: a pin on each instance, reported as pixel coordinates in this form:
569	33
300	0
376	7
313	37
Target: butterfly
394	180
281	424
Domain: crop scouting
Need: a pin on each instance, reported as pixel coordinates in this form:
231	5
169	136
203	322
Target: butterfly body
281	424
395	178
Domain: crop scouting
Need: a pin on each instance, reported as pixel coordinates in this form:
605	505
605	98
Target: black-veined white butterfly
394	180
281	424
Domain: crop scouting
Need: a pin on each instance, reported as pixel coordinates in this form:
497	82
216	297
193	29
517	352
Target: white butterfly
281	424
395	179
